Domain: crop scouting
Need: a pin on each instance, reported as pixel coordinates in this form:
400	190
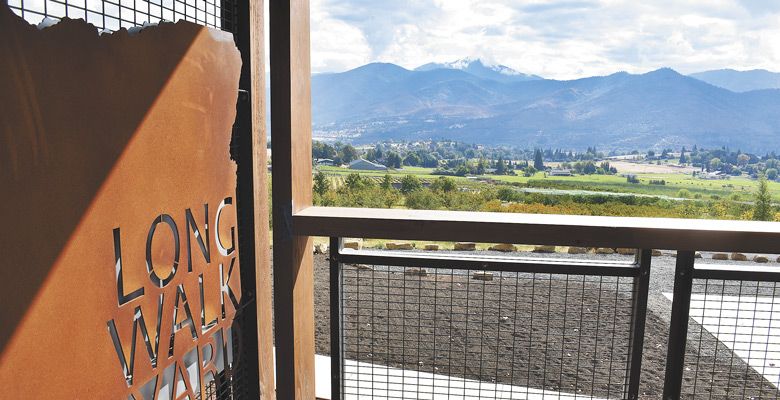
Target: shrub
423	200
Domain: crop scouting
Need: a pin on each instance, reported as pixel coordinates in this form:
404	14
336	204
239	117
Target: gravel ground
481	330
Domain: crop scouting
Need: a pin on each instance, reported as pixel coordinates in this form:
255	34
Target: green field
742	187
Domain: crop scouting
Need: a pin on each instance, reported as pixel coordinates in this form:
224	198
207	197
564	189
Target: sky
557	39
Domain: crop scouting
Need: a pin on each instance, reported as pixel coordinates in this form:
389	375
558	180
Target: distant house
713	175
365	165
559	172
325	162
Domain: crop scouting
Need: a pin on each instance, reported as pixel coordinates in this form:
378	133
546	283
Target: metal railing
456	326
725	332
449	325
111	15
409	324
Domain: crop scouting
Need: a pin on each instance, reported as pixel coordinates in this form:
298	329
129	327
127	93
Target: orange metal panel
114	145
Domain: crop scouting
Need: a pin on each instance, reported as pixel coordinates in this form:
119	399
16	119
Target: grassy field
736	188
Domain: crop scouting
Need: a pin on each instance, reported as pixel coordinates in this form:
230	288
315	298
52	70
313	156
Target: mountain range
473	102
741	81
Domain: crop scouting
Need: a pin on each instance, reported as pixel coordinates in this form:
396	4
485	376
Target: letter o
167	219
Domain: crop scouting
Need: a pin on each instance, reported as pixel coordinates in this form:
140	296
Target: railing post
638	317
678	329
336	355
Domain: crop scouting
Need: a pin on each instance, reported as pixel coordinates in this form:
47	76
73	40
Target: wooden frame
562	230
291	140
251	36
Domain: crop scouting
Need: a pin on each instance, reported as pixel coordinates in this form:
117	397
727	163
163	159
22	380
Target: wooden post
260	189
291	155
252	193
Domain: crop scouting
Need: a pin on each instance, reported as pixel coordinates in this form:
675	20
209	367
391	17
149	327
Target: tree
715	164
387	182
423	200
322	150
371	155
683	159
743	159
506	193
321	183
354	182
348	154
771	174
443	184
409	184
538	161
762	208
393	160
482	165
500	166
412	160
589	168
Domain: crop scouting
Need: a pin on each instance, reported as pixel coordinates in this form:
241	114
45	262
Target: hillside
621	111
741	81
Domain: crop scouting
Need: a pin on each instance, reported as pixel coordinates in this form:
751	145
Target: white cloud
336	44
556	39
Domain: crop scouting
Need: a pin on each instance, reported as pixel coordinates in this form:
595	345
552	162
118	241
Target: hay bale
320	248
465	246
626	251
416	272
577	250
761	259
720	256
482	276
544	249
354	244
504	247
399	246
605	250
431	247
738	257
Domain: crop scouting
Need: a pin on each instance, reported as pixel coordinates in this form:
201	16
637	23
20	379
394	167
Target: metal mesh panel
411	333
114	14
733	340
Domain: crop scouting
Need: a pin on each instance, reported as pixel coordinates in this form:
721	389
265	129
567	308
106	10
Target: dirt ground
570	335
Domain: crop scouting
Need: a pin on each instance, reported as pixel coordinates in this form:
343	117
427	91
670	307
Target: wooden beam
563	230
263	284
291	155
252	190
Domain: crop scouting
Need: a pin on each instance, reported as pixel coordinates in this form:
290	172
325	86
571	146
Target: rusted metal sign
119	273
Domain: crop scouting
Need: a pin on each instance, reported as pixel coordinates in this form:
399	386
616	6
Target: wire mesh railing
420	324
733	334
111	15
455	327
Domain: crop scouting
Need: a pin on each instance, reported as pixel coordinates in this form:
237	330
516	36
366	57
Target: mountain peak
477	67
665	71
